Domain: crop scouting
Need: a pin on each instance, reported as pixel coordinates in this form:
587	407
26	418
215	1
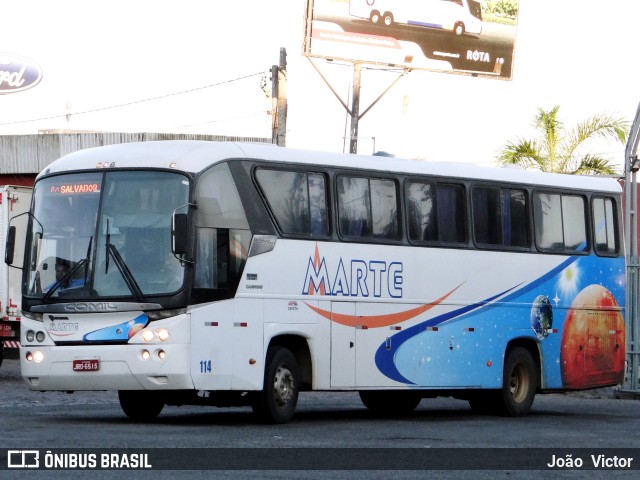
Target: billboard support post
355	107
354	111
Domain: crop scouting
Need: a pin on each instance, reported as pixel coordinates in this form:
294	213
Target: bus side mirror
10	246
180	234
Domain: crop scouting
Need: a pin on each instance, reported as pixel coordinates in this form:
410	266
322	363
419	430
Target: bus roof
195	156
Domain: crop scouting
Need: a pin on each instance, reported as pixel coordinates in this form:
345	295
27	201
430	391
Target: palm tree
556	150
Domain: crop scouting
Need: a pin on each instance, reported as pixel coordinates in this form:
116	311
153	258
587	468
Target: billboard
475	37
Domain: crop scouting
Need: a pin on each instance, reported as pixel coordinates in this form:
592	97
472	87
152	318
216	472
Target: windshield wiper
128	277
69	275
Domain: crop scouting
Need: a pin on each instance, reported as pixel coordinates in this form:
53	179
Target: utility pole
279	100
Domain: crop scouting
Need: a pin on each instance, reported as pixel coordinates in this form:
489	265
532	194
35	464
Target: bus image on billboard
457	16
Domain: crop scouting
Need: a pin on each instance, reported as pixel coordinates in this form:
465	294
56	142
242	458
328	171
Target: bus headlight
40	336
38	356
147	335
30	336
161	334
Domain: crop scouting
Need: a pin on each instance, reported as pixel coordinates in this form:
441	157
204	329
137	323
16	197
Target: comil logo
17	73
23	459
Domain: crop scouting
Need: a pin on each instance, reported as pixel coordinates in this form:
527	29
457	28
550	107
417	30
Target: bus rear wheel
140	405
387	19
374	17
519	383
277	401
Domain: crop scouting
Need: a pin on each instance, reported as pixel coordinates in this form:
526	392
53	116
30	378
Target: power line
135	102
249	115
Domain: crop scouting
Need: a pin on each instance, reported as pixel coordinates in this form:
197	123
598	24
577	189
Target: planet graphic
541	316
593	340
135	329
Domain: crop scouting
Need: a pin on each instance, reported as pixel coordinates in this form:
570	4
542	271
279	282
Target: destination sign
75	188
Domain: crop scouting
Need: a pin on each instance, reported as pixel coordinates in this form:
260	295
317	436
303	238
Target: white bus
457	16
185	272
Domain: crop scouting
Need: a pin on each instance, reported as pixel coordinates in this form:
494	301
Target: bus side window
384	208
354	206
500	217
487	225
422	211
297	200
604	226
560	222
368	208
222	234
451	213
436	212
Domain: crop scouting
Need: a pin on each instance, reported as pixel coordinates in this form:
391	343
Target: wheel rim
518	384
283	386
375	18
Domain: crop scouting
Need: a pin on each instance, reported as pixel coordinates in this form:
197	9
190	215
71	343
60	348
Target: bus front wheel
277	401
140	405
458	29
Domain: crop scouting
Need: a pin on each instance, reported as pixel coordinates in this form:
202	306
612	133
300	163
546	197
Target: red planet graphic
593	340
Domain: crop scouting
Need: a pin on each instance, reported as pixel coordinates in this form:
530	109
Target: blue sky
578	54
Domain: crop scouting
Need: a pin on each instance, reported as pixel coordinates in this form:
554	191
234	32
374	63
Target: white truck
14	201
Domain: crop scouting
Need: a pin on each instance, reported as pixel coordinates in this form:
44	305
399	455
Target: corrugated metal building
22	157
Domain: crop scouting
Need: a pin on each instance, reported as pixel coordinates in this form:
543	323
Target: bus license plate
90	365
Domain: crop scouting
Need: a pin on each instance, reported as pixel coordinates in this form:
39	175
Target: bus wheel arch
459	29
520	382
300	349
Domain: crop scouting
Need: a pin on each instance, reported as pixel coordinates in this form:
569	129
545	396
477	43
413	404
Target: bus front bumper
121	367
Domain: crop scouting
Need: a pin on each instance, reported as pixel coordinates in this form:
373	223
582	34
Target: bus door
376	330
356	335
343	346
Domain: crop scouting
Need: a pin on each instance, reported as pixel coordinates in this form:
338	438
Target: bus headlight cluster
36	356
159	334
156	355
31	336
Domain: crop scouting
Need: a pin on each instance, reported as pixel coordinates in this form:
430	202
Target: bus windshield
105	234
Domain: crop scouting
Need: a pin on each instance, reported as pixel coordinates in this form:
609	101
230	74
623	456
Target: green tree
557	149
507	8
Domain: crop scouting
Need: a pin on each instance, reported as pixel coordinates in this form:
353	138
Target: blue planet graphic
541	316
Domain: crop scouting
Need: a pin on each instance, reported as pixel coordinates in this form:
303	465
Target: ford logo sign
17	73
